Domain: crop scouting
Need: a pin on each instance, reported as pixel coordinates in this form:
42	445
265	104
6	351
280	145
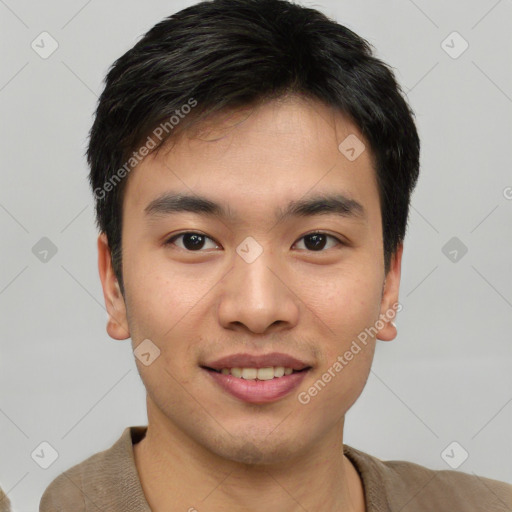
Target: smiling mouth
267	373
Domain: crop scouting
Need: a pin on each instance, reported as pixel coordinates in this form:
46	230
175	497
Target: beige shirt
108	481
5	504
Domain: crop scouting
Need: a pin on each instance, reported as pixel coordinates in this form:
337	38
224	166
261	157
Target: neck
178	473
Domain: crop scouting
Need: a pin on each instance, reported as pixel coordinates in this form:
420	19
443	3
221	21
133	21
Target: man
252	165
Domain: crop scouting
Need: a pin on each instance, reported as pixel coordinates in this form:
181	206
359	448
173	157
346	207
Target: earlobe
388	332
389	303
116	329
117	324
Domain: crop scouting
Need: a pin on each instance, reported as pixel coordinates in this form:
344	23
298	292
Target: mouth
257	385
267	373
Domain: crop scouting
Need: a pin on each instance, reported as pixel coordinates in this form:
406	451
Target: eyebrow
322	204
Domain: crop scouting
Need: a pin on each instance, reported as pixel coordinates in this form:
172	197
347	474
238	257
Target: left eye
318	240
193	241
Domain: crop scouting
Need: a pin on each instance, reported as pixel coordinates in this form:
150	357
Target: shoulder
441	487
411	487
5	504
65	492
93	480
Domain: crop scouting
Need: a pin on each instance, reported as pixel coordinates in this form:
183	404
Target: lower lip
258	391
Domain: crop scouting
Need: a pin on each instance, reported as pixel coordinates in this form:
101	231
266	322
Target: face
261	278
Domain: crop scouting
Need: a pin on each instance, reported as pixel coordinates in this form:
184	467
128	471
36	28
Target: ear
389	302
117	325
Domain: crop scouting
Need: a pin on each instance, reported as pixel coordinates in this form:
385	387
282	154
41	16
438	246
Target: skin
205	448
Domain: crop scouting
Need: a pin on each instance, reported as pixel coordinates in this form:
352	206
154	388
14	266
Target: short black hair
227	54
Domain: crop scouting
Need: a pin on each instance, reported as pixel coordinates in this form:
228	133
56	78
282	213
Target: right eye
192	241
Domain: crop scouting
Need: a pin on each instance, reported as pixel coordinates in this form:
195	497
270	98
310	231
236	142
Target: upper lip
257	361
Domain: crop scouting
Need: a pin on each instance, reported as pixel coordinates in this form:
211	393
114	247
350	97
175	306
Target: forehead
272	154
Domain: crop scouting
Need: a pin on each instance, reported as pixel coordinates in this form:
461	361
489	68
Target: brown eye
192	241
317	241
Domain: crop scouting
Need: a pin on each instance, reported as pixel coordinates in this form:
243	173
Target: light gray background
447	377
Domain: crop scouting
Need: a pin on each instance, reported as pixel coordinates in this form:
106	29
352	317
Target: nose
258	297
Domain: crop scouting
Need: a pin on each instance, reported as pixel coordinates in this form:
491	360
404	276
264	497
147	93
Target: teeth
264	373
257	373
279	371
249	373
236	372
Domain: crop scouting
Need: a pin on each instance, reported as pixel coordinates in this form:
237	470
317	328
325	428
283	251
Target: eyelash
171	240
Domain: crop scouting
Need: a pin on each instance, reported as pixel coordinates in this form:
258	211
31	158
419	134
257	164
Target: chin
255	452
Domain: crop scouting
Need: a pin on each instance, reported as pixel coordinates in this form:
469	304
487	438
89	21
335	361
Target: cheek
348	306
167	305
161	294
348	311
347	300
338	389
